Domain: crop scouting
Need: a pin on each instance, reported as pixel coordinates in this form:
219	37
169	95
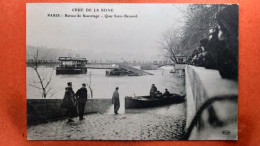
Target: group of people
154	93
76	102
73	102
220	50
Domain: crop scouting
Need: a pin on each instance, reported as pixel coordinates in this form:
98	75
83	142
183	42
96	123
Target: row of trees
198	20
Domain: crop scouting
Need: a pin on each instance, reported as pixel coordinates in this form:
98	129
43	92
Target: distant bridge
120	65
109	65
98	65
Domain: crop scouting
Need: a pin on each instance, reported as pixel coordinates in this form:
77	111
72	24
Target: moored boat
120	72
70	65
147	101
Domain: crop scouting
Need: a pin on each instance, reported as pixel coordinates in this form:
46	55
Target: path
163	123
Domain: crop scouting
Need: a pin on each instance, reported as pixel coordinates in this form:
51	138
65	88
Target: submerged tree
44	81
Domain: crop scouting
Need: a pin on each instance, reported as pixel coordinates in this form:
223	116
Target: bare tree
199	19
44	81
89	85
170	44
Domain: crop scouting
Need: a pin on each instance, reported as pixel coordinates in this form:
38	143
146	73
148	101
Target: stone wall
211	105
44	110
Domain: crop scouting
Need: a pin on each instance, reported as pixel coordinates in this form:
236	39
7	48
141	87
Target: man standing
82	95
115	101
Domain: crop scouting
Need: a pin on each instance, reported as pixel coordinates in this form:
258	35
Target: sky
102	38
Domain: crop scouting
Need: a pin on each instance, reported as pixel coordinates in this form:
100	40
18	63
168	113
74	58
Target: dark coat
82	94
166	93
153	90
68	100
115	98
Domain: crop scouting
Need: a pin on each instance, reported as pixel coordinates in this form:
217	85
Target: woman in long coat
69	102
153	91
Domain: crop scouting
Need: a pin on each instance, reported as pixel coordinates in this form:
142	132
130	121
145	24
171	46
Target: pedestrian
82	96
153	91
68	101
70	88
115	101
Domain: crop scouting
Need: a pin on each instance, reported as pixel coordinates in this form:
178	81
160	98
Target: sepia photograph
99	71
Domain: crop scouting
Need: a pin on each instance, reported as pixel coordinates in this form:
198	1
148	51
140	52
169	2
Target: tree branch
35	86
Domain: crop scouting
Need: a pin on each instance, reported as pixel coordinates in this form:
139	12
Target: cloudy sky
102	38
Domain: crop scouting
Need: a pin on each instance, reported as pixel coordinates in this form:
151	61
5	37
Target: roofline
72	59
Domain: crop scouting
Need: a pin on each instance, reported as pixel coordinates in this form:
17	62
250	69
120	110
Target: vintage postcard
131	71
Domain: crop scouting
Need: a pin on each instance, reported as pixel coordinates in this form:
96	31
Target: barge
69	65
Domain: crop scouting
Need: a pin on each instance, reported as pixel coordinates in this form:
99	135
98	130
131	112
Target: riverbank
161	123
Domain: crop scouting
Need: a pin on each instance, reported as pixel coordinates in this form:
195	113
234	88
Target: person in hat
70	87
115	101
82	96
69	101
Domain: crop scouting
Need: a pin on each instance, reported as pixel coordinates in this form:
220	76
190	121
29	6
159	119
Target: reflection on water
104	86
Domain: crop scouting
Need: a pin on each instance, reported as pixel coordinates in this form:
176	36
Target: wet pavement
160	123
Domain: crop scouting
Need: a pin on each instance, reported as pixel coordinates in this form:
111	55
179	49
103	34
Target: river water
102	85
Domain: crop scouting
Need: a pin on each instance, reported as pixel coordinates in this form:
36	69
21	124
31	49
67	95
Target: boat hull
146	101
70	71
119	72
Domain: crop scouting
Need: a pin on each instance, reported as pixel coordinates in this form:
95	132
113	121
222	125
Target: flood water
102	85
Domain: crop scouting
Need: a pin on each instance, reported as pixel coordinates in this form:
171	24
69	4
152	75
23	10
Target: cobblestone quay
160	123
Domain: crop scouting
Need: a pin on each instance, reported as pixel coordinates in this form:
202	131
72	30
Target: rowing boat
147	101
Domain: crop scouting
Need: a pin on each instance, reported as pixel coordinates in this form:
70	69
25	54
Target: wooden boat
147	101
70	65
120	72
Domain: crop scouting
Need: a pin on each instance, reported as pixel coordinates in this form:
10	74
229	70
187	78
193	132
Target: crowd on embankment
220	50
